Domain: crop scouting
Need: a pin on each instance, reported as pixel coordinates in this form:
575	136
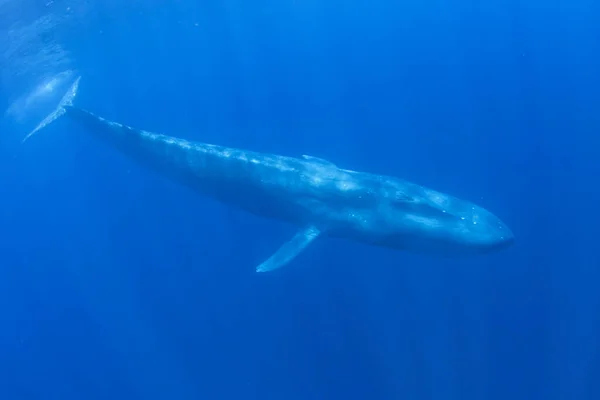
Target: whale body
314	194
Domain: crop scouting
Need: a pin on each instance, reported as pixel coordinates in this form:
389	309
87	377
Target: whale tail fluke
67	100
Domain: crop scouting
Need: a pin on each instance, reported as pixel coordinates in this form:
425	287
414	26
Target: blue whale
309	192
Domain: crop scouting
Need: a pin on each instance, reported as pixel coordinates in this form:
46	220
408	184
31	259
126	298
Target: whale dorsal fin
289	250
317	160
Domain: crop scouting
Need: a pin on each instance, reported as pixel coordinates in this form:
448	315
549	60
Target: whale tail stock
65	101
281	257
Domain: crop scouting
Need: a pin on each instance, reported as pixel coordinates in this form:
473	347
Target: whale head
428	221
398	214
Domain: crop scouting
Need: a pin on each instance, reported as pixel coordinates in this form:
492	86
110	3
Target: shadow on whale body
312	193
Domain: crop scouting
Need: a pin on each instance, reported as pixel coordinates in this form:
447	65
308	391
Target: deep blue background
116	283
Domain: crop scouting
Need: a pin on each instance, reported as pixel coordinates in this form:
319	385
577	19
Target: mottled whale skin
312	193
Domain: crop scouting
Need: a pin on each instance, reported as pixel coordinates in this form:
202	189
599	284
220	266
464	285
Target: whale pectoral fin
289	250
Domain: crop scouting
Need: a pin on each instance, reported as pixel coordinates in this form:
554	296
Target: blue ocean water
117	283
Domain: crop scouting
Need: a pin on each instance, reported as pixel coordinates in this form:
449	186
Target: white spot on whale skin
184	144
316	180
346	184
